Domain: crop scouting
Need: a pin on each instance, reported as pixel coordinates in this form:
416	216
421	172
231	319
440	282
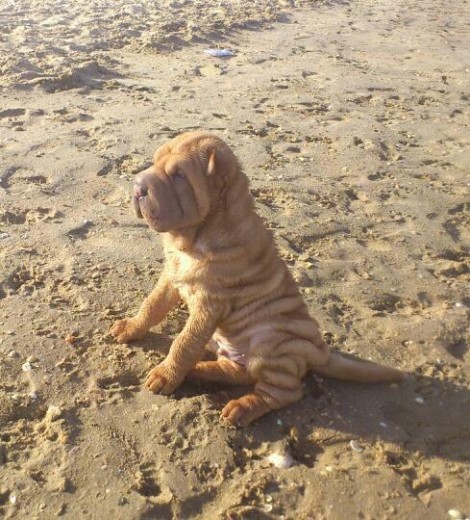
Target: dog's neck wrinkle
182	239
221	236
227	239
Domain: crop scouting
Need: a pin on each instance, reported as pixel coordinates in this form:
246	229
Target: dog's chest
187	273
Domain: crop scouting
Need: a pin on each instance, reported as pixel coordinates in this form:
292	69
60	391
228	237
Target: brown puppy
243	303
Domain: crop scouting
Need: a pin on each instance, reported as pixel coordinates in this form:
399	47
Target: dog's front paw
243	411
162	380
126	330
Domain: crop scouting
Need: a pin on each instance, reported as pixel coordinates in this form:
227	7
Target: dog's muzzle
139	193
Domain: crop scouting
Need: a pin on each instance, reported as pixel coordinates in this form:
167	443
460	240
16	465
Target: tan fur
243	302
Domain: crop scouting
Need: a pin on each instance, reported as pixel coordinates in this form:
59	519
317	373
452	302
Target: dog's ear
211	166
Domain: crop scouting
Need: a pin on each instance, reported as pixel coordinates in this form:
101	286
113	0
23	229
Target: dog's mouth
140	203
137	196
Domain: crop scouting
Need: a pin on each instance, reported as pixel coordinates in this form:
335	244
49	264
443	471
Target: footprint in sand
17	216
416	476
124	383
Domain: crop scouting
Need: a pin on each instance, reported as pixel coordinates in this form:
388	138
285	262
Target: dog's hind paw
243	411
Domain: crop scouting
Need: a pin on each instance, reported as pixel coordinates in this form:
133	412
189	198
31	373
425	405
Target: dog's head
186	183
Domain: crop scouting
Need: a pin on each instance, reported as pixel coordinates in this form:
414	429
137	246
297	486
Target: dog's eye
178	175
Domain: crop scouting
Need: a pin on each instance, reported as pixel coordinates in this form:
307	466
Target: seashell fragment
282	460
355	446
219	53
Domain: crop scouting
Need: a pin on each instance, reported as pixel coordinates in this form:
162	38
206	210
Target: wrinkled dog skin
243	303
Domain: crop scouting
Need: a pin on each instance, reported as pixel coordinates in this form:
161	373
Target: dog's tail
358	370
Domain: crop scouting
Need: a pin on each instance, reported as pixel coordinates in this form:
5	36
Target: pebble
384	425
27	367
455	514
419	400
70	339
4	235
13	354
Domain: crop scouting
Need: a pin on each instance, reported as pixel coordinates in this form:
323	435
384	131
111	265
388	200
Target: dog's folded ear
211	163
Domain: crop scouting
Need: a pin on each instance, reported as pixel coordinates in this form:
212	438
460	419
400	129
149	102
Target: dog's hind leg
278	371
265	398
220	371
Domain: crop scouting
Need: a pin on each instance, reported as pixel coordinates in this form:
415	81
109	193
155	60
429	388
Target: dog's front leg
152	311
187	349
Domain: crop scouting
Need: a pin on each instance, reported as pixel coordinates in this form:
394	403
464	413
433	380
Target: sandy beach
351	120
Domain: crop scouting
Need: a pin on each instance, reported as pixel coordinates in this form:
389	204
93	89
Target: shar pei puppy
243	303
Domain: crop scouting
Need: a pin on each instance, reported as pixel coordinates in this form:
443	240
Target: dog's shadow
421	414
425	414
